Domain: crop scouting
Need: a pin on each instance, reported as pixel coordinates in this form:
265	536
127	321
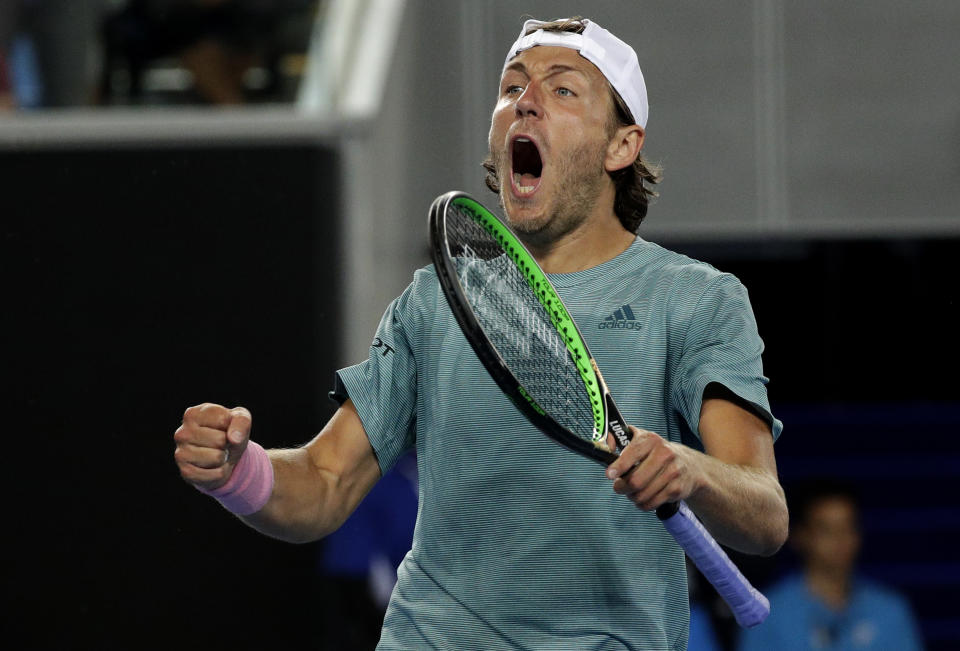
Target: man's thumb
238	432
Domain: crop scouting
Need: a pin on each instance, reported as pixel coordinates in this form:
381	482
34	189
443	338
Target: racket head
518	326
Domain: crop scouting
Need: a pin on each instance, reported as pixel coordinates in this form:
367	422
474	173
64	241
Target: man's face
548	139
830	537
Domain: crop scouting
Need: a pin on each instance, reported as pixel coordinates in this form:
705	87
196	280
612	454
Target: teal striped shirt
520	544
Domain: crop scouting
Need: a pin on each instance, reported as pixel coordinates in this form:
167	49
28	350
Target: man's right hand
210	442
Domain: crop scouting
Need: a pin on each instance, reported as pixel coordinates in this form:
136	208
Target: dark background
143	282
861	340
139	281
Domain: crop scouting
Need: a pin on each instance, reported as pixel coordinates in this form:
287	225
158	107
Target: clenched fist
210	443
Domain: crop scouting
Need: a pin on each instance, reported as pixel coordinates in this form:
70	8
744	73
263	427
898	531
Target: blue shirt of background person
873	618
827	606
702	635
374	539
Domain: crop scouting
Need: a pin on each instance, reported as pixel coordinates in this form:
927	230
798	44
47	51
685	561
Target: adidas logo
622	319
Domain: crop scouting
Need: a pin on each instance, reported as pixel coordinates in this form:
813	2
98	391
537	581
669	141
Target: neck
580	249
831	586
596	239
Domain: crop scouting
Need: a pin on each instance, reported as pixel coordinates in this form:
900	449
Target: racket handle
749	606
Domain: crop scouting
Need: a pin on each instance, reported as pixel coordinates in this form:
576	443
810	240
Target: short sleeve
721	346
383	388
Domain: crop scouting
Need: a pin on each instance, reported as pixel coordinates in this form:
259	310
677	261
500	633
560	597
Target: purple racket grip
749	606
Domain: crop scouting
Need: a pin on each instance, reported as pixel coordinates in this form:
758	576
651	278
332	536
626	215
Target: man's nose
529	103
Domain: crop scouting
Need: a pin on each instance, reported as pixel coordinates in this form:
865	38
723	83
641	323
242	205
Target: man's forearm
300	508
318	486
743	507
297	495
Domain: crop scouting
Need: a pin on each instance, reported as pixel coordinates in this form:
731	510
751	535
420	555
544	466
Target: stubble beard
577	181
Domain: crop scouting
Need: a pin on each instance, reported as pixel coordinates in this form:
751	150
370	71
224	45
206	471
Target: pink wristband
250	485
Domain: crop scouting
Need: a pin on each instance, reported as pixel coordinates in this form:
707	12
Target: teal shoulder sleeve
721	346
383	387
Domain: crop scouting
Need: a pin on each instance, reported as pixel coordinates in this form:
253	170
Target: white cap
615	59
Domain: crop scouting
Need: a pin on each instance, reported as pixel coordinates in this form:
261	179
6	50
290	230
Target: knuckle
195	413
182	434
187	471
665	460
184	454
205	408
190	414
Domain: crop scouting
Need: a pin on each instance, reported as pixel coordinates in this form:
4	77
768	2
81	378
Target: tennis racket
519	328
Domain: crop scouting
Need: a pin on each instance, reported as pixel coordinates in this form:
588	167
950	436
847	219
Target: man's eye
565	92
513	90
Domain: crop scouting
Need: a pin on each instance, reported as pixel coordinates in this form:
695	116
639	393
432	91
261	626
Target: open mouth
526	166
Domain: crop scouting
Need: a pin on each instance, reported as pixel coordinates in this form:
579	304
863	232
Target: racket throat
620	433
616	425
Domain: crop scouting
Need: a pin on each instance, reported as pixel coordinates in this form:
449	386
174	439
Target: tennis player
518	543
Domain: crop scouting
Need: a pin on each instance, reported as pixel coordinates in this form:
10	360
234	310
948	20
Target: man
828	606
8	24
520	544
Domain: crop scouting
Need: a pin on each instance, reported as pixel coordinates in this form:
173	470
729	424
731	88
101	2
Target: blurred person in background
827	605
6	92
8	18
217	41
703	633
48	52
358	562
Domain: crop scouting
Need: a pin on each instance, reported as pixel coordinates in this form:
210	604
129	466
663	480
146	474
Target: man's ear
624	148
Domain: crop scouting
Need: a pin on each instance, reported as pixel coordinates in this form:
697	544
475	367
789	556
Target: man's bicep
736	435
